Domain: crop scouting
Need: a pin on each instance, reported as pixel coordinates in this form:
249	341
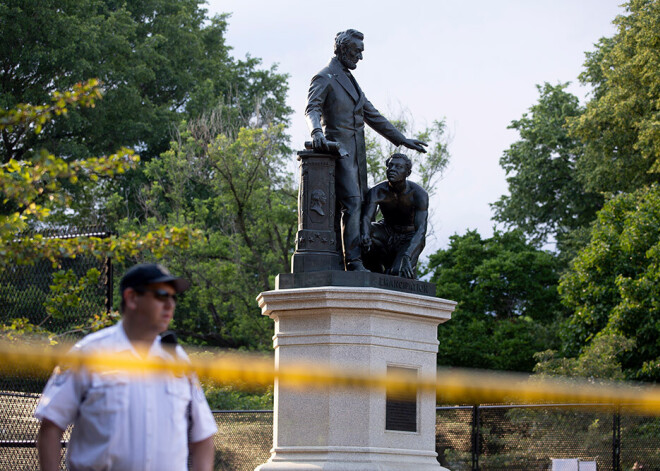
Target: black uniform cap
142	275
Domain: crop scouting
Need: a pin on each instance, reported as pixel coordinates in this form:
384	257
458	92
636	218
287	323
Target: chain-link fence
27	290
18	431
244	439
510	437
530	437
37	297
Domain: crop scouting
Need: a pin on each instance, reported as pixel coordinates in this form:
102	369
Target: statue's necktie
355	85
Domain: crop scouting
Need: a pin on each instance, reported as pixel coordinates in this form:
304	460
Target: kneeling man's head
399	166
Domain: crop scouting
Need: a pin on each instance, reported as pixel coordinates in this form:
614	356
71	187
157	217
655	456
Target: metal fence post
108	286
475	437
616	439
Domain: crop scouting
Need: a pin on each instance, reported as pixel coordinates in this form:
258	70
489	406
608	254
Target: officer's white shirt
122	422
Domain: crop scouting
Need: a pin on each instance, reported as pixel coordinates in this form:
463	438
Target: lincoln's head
349	47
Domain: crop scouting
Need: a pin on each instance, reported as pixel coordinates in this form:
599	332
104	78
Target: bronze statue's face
351	53
397	170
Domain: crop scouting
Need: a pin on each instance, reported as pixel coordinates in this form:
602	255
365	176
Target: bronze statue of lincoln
337	111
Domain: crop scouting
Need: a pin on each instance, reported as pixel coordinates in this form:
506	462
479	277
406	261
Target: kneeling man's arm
421	222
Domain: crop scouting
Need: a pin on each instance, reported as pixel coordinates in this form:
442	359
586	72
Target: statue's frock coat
340	110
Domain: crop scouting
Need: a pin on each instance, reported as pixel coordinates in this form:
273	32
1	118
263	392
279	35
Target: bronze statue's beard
347	61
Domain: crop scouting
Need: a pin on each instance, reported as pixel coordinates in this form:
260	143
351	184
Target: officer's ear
129	299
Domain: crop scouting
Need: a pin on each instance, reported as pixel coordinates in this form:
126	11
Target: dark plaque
401	409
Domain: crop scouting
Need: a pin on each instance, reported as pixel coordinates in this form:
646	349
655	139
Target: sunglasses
160	294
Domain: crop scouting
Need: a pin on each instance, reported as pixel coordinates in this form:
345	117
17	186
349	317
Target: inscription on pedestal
349	278
403	284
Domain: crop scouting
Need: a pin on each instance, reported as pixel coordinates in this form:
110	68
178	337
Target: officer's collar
125	345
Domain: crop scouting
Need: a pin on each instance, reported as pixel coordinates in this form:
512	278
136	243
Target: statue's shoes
355	266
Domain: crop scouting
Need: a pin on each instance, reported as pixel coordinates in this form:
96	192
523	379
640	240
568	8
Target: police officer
129	423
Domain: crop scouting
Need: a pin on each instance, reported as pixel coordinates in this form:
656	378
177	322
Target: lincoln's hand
319	142
415	144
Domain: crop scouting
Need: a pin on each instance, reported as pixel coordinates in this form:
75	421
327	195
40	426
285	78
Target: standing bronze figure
337	110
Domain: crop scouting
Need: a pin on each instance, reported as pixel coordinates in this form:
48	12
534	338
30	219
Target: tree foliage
600	360
231	184
159	63
503	276
507	301
31	192
427	168
619	127
158	60
569	162
612	287
546	200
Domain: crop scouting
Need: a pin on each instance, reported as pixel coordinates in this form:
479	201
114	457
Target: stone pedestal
346	429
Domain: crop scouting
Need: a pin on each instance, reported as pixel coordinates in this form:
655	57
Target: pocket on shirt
108	392
179	388
105	402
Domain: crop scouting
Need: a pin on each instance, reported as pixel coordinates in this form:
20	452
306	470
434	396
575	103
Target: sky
474	63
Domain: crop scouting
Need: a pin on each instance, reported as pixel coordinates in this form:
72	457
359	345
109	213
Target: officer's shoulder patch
60	375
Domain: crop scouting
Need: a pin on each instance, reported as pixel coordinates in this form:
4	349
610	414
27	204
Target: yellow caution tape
249	372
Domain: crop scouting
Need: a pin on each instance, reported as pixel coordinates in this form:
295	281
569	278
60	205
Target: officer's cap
144	274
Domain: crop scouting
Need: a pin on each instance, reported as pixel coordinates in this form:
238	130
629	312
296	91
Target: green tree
158	60
599	360
427	168
569	161
546	199
619	126
230	183
507	300
612	286
31	192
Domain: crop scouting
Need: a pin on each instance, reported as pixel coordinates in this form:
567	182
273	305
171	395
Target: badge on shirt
60	375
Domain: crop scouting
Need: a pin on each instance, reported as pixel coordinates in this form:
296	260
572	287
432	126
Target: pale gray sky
475	63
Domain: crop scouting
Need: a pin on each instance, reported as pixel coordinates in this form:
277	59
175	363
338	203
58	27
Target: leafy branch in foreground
33	189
